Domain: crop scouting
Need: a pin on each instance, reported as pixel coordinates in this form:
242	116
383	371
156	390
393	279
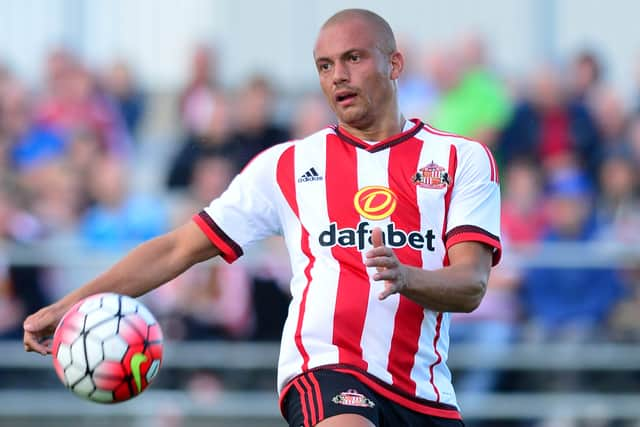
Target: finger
389	289
390	275
376	237
31	343
381	262
379	251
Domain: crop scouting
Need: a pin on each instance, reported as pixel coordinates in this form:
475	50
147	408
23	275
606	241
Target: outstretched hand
387	265
39	329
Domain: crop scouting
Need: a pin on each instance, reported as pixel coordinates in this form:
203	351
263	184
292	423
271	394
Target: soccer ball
107	348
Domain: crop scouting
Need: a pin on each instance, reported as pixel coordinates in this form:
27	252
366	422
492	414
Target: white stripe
317	329
376	335
436	150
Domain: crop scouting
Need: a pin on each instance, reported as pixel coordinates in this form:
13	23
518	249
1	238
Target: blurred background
121	119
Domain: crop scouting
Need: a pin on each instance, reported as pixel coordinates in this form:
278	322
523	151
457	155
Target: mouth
345	98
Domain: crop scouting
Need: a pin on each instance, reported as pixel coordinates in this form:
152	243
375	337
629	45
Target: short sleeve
246	211
474	209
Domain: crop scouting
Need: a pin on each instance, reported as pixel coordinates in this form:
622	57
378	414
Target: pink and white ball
107	348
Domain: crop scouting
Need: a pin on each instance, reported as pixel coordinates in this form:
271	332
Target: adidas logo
310	175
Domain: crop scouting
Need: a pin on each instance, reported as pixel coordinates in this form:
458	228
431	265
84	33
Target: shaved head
385	39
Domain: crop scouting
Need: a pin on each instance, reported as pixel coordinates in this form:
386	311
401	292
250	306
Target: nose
340	73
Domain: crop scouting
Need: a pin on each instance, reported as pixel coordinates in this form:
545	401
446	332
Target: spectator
417	93
55	196
11	307
618	206
585	76
570	302
129	99
256	129
311	114
522	216
475	104
76	103
197	99
119	218
625	321
212	173
215	140
547	128
633	139
611	117
28	144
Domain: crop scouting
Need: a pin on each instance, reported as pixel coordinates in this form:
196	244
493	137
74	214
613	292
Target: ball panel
63	354
152	371
114	347
96	317
128	305
90	304
78	357
93	351
146	315
154	333
110	369
84	387
155	351
123	392
106	329
110	303
107	383
102	396
70	327
74	373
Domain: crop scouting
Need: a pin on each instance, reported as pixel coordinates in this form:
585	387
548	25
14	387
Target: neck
378	130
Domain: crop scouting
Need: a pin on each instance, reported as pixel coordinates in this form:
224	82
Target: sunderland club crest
432	176
351	397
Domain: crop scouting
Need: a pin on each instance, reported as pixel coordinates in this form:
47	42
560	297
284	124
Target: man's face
355	75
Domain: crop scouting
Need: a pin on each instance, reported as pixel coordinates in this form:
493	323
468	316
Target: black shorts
321	394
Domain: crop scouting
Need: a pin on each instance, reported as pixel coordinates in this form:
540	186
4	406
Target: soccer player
390	225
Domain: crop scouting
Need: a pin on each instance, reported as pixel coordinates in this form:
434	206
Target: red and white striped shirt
426	189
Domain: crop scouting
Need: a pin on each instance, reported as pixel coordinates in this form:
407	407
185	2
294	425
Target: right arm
143	269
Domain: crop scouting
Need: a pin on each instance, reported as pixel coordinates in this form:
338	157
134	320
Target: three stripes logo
310	175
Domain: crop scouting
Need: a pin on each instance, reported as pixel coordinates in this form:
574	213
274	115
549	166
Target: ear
397	65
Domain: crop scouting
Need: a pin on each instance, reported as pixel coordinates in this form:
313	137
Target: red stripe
495	177
310	399
435	131
226	251
492	162
403	163
478	237
401	400
439	356
453	164
353	282
302	394
318	394
286	180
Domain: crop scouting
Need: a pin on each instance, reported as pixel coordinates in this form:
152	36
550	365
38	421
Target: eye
325	66
354	57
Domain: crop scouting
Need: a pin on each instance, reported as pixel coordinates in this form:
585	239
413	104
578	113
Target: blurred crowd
567	143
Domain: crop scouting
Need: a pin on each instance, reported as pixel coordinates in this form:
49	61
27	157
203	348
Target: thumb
38	321
376	237
32	324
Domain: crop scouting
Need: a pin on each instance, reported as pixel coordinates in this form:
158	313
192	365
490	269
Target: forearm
457	288
146	267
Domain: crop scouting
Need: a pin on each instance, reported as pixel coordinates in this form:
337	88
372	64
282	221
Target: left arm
458	287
